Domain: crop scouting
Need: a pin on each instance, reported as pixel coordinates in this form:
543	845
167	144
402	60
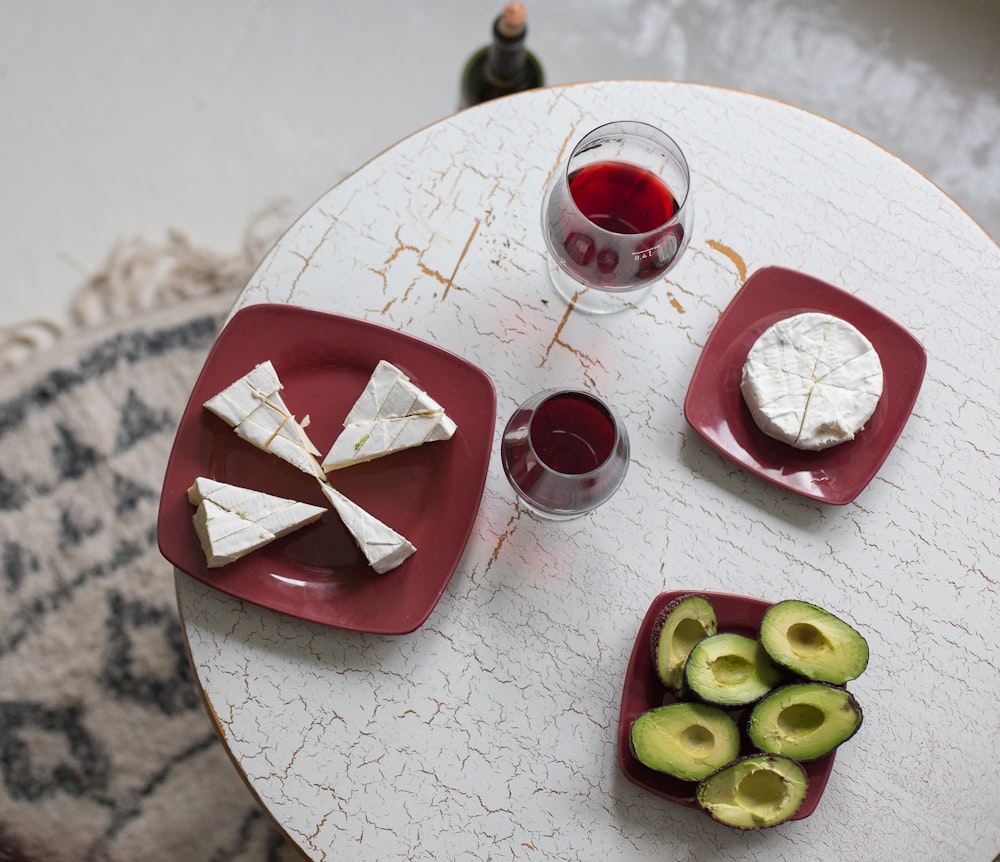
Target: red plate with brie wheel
643	691
430	494
715	408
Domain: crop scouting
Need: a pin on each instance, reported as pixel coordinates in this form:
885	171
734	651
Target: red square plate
643	690
429	494
715	407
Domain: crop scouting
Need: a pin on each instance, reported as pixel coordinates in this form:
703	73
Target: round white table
490	732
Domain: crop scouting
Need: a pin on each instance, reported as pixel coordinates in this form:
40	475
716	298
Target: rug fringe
140	275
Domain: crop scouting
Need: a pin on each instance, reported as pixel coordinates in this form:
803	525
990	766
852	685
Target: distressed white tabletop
489	733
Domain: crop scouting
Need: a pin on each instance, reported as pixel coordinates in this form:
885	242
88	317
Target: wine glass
616	216
564	452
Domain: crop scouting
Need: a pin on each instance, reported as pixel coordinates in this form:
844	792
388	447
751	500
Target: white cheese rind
382	546
390	415
812	380
231	521
253	406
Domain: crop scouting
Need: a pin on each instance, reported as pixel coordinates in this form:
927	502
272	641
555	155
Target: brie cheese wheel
812	380
253	406
232	521
390	415
382	546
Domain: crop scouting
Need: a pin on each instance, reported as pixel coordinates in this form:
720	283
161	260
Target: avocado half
678	627
687	740
754	792
812	642
728	669
804	721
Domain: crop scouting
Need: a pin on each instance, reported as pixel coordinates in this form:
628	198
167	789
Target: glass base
542	515
593	300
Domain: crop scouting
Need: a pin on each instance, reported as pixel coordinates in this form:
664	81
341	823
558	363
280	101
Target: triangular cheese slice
382	546
389	394
390	415
231	521
253	406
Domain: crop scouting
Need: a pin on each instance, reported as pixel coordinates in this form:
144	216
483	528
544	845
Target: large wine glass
564	452
616	216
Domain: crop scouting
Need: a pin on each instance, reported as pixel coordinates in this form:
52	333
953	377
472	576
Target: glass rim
632	128
547	395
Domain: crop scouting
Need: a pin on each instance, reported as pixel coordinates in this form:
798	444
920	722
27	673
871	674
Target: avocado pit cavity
731	670
698	740
806	640
686	635
799	720
762	793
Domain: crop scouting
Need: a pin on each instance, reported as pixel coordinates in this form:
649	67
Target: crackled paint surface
490	732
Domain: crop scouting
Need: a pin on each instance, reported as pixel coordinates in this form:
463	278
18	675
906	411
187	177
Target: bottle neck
506	54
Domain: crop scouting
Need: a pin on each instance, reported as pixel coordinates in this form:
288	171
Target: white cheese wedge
812	380
382	546
389	394
232	521
253	406
390	415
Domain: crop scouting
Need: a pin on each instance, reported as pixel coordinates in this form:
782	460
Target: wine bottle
504	66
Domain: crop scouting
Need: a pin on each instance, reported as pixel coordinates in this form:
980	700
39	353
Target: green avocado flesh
678	627
755	792
687	740
730	670
812	642
804	720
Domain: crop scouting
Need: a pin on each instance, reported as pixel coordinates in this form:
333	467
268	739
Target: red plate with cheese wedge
430	494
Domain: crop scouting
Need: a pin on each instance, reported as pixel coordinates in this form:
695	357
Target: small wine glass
616	216
564	452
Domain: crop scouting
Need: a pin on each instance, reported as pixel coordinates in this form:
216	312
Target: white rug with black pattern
106	751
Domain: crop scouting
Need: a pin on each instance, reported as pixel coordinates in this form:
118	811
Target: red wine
572	433
564	452
622	198
632	208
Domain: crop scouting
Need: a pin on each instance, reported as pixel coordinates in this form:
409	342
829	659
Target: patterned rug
106	751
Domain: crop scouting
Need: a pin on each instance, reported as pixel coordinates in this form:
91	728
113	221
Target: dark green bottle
505	66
